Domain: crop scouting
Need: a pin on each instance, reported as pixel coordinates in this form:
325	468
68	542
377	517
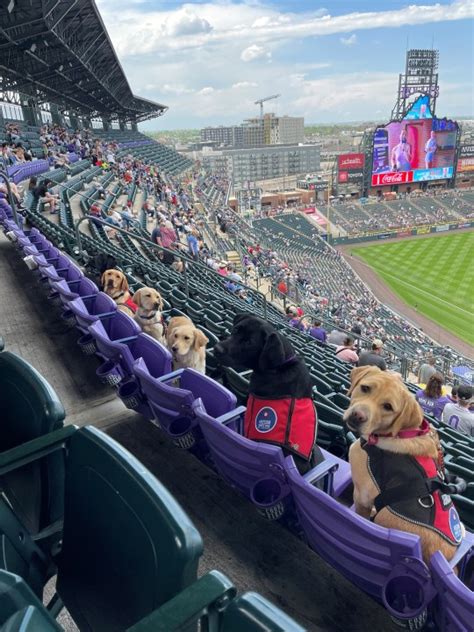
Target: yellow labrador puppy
148	315
187	344
397	465
115	284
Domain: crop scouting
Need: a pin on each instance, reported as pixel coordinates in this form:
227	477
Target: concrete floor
254	553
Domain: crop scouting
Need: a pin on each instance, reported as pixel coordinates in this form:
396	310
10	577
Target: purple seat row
201	415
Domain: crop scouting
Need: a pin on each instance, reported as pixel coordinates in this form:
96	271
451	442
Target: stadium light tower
262	101
420	77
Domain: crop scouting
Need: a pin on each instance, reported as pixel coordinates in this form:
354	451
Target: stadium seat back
20	609
128	547
454	601
253	613
30	408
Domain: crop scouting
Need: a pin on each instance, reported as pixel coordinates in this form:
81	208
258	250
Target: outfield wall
396	232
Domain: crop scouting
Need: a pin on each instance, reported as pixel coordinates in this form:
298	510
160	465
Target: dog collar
118	295
152	315
403	434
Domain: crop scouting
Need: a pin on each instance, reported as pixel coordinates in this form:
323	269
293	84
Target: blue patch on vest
266	419
455	524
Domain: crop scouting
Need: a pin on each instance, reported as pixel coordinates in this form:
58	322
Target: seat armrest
230	416
211	594
327	466
123	340
86	296
170	376
34	449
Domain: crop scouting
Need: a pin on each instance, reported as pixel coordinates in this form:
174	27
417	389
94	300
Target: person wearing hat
374	356
457	415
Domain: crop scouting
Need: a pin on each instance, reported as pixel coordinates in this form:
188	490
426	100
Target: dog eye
186	337
387	406
364	388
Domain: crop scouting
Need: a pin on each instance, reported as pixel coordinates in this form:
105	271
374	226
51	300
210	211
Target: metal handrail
149	243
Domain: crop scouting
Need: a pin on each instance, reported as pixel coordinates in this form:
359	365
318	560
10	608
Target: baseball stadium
236	393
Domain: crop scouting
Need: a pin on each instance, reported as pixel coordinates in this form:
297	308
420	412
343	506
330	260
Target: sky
331	62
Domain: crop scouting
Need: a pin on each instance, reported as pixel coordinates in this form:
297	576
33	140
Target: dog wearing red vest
397	463
279	408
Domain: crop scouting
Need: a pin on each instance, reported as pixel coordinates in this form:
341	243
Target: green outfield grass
434	275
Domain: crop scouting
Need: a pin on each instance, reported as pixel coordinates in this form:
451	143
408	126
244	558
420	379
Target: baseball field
433	275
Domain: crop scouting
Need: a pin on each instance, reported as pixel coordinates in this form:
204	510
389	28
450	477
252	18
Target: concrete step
233	257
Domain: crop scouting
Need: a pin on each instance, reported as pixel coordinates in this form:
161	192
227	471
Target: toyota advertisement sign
350	168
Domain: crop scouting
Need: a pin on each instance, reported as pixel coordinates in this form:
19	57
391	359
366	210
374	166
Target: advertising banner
350	168
466	151
420	145
319	217
442	228
465	165
392	177
423	230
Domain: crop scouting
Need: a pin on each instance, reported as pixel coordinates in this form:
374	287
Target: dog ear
124	283
200	340
137	297
239	318
273	352
359	373
160	301
411	415
102	278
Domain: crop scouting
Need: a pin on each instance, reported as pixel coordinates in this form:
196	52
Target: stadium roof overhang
59	51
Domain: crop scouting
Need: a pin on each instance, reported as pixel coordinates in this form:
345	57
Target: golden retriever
391	427
148	315
115	284
187	344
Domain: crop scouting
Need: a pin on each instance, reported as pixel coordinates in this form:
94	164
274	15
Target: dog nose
155	305
110	283
356	418
219	349
174	348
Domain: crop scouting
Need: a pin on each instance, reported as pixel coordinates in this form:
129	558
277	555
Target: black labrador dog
278	374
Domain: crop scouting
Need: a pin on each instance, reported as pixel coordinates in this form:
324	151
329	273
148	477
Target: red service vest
288	422
403	471
131	305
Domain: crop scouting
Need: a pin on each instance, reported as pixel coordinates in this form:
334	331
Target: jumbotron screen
417	149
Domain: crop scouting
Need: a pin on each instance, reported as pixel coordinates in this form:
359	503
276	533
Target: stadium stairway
252	552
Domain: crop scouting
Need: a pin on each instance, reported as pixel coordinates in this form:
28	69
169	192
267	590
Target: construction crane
262	101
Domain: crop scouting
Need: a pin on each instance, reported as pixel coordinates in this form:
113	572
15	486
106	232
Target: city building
257	132
244	166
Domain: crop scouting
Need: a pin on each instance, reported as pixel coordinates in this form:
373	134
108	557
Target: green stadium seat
30	408
20	609
127	546
238	383
253	613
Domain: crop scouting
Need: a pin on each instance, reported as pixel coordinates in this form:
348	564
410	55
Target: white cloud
206	90
174	88
349	41
253	52
244	84
185	22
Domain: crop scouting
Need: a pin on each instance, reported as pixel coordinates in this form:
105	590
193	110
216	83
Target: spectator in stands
7	156
346	351
453	396
458	415
427	370
374	356
318	332
222	268
193	244
42	194
336	337
431	398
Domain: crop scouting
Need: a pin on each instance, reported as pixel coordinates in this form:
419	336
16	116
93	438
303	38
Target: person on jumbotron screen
401	154
430	150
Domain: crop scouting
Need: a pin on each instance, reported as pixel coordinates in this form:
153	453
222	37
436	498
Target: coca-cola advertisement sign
350	167
391	177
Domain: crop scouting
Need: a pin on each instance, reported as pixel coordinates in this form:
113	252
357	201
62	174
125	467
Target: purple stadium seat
455	601
88	310
254	469
67	271
112	332
171	398
72	290
385	563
